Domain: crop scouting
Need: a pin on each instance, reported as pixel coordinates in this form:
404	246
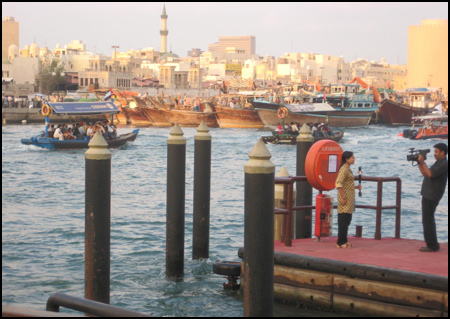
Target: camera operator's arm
426	172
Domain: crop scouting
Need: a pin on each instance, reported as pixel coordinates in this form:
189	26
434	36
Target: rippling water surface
43	215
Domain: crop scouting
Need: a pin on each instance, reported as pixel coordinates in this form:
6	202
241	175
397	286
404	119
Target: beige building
246	43
10	35
428	55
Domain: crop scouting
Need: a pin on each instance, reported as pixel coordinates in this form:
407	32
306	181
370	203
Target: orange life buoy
46	110
282	112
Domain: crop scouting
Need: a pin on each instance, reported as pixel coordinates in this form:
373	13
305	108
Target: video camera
414	155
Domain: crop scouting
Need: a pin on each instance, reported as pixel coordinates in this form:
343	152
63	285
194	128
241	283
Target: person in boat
89	130
68	135
314	130
51	131
58	132
345	184
433	188
81	131
294	128
279	129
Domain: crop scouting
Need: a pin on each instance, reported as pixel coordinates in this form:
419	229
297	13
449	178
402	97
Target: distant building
246	43
194	53
10	35
428	54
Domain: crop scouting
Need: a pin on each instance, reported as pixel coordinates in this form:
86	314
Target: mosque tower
164	32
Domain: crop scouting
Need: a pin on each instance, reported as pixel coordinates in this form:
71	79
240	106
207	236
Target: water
43	216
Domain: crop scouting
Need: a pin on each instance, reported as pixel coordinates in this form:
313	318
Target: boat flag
108	95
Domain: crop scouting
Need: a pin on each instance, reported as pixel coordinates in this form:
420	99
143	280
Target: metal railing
88	306
287	211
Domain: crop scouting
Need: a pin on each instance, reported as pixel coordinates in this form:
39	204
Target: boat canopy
309	107
79	108
439	117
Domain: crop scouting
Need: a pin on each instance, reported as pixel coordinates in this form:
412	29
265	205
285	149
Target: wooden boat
189	118
410	103
44	141
316	113
237	118
150	107
287	138
432	127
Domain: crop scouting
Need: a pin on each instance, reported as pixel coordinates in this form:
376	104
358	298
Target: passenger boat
42	140
432	126
409	103
290	139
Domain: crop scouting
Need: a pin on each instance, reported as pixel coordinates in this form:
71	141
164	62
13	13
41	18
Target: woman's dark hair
345	156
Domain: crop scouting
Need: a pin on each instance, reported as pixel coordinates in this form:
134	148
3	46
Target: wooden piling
176	176
202	190
97	220
303	218
258	233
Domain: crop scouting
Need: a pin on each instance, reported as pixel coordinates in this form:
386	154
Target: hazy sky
353	30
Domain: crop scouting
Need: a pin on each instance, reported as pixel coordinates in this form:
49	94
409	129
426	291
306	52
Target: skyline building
10	35
428	54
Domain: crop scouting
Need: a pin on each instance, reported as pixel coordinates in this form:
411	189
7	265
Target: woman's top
346	180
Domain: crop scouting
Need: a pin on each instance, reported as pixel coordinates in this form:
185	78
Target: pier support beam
202	190
97	220
258	233
176	177
303	220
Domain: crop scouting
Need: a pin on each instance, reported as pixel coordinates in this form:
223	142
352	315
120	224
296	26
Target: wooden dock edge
359	289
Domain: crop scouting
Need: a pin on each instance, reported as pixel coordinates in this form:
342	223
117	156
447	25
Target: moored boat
409	103
189	118
237	118
290	139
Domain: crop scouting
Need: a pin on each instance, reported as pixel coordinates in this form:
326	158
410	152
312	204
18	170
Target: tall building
10	35
428	54
247	43
164	32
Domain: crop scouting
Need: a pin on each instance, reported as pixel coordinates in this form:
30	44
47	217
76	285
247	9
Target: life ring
227	268
282	112
46	110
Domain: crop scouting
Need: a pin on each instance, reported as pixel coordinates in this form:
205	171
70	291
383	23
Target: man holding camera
433	188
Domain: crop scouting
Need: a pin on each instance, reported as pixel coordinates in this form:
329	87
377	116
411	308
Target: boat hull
336	119
190	118
395	113
237	118
56	144
158	118
136	116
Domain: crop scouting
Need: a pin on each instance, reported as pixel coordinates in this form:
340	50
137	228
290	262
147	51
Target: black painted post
176	176
202	190
97	220
303	218
258	233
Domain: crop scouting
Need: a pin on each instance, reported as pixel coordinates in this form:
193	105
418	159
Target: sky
353	30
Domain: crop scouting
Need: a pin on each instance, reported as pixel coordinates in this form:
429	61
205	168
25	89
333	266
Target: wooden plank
445	302
302	295
12	311
303	278
389	293
377	308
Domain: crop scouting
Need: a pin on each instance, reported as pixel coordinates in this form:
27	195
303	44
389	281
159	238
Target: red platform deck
392	253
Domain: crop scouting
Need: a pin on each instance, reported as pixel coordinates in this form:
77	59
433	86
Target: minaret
164	32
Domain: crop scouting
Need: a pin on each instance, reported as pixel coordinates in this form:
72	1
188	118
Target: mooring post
258	233
97	220
202	186
176	176
303	218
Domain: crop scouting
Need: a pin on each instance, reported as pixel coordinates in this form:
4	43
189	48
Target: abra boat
44	141
432	127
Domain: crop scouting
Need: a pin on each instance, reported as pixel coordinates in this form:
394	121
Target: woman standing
345	184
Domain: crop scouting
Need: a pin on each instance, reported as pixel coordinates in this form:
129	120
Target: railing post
258	233
303	219
97	220
176	177
379	208
289	204
202	189
398	203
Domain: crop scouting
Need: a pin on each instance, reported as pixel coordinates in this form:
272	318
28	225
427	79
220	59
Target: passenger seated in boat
314	130
51	131
111	132
58	133
68	135
294	128
89	130
279	129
